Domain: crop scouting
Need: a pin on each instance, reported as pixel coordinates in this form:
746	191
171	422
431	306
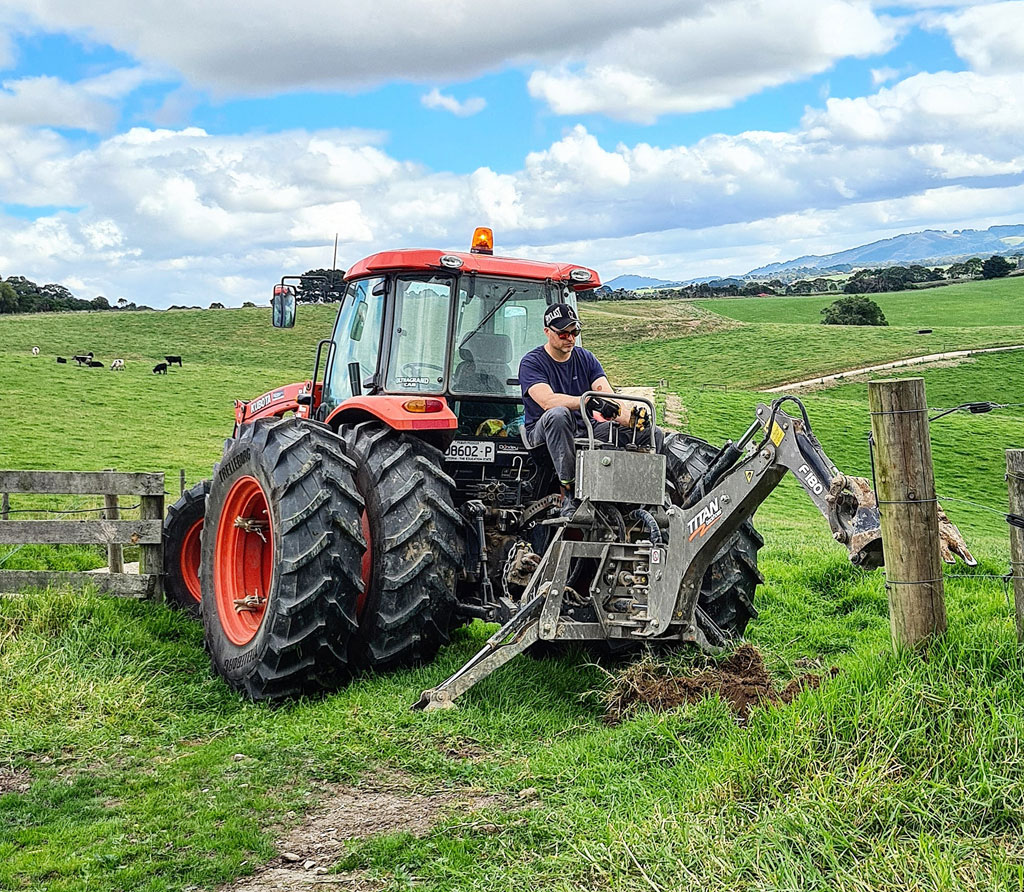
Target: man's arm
546	398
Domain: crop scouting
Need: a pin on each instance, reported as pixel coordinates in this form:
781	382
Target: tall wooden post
151	557
115	553
181	482
1015	484
5	506
906	497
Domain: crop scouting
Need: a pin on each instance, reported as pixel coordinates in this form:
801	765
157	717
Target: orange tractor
354	520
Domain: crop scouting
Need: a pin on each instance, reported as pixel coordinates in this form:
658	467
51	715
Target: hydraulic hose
650	524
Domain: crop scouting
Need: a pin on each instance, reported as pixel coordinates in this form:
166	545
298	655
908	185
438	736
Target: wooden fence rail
146	532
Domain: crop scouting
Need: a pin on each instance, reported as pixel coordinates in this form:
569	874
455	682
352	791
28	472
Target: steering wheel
410	368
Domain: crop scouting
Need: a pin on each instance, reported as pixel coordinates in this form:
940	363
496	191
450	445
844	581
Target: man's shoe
569	506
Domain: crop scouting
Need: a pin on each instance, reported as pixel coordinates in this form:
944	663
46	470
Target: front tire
183	526
414	546
280	560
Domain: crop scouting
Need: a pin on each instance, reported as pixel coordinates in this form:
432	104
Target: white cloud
89	104
157	214
436	99
990	38
265	46
881	76
711	59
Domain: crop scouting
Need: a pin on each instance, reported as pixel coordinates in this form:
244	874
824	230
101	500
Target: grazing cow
160	368
117	365
173	360
83	358
62	360
95	364
35	351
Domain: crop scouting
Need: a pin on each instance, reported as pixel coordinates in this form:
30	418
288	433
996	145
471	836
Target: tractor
356	519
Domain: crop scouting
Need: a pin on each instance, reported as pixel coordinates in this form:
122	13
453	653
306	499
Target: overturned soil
375	807
741	680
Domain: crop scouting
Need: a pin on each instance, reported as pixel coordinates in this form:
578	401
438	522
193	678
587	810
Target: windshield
497	322
356	337
419	335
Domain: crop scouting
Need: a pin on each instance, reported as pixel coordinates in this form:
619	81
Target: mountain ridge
924	247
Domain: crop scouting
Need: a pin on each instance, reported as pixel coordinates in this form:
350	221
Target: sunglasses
573	333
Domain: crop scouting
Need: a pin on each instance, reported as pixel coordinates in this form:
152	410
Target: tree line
863	281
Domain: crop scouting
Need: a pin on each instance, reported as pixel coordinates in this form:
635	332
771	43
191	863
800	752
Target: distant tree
315	289
100	303
248	304
996	267
8	298
216	306
854	310
122	302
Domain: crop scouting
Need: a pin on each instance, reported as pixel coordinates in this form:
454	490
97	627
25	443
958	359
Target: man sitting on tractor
553	377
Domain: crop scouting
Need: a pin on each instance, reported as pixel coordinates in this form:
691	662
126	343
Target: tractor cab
431	342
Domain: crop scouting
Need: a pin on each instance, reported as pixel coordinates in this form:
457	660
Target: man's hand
608	409
640	418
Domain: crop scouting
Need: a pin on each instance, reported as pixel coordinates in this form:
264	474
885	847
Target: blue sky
192	152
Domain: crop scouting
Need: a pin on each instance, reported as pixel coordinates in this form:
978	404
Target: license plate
470	450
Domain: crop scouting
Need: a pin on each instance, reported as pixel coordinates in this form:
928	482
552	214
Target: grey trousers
558	428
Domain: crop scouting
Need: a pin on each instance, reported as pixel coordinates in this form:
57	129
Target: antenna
334	264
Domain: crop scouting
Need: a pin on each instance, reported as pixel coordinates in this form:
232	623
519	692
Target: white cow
35	351
117	365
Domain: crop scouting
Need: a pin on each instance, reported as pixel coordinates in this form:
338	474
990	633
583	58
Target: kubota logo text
704	519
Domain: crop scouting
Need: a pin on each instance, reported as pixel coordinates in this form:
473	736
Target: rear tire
295	573
727	590
414	546
183	527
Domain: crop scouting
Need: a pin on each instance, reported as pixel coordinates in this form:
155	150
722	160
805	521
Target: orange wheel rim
189	560
366	569
243	561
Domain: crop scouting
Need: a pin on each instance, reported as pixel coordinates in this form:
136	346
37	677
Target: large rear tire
280	560
183	526
414	546
727	590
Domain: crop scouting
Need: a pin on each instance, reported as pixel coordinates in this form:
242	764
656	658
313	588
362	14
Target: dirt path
914	360
375	807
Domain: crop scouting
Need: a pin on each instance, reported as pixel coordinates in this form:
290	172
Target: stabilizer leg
507	643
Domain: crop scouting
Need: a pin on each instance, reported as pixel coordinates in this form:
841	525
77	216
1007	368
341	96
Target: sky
196	151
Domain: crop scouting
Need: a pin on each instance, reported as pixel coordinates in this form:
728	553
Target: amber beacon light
483	241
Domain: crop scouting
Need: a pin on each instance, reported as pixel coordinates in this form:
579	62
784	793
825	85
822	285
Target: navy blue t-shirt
574	377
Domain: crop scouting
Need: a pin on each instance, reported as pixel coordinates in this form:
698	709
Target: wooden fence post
5	506
151	559
181	482
908	508
1015	484
115	553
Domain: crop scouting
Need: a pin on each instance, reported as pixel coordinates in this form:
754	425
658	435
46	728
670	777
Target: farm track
913	360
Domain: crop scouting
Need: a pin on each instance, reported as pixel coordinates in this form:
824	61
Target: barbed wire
61	513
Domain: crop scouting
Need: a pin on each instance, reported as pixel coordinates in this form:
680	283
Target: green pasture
125	765
992	302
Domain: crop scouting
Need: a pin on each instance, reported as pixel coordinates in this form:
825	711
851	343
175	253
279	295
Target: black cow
62	359
83	358
93	364
173	360
160	368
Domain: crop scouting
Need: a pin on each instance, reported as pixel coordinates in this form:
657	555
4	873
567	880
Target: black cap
560	317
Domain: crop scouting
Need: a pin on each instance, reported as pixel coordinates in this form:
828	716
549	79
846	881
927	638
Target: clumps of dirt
741	680
14	781
375	807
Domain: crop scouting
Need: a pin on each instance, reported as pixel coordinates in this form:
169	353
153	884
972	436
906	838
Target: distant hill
635	283
930	247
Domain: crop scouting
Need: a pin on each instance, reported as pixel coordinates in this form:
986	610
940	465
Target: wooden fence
146	532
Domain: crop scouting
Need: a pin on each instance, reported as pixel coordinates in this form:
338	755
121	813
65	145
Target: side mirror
283	306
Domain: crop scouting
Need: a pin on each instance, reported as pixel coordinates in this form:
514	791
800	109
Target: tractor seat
484	365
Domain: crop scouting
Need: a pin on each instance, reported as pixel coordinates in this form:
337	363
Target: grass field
125	765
